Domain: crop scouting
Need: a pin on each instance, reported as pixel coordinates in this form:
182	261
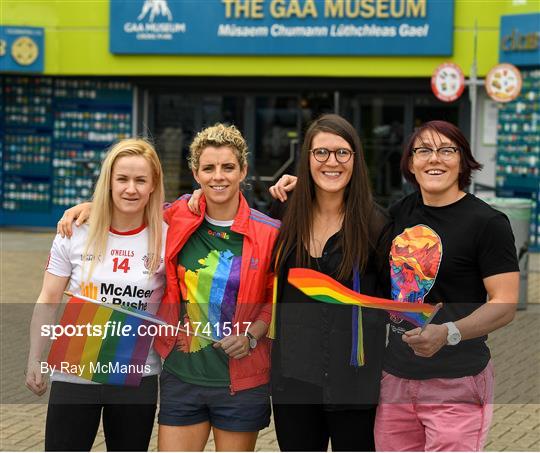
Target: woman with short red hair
448	246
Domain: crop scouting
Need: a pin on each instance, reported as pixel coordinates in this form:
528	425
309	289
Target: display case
55	132
518	140
89	115
26	119
518	148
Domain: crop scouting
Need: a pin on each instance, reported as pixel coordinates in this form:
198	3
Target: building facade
92	72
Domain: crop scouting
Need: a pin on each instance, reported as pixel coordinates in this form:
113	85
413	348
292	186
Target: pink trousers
434	414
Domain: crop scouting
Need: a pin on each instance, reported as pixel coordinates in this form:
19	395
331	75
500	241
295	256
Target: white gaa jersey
120	277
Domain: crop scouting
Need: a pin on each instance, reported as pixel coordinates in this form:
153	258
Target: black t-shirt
442	254
314	339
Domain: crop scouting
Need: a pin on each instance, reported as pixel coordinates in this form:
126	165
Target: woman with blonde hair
122	248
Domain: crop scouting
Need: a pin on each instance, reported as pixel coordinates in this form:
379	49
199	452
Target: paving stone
30	444
20	436
512	436
518	417
504	410
497	432
11	431
528	419
527	441
8	446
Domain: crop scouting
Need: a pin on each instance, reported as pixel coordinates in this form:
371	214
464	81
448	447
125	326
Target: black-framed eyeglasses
444	152
342	155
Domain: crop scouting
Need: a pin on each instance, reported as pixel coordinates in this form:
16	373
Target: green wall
77	34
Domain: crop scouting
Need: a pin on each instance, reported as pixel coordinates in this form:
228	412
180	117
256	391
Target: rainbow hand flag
323	288
114	357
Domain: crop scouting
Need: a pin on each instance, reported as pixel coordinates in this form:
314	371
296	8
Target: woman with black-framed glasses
448	246
327	359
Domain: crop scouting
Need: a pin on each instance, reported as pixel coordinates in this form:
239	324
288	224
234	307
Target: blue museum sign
282	27
22	49
520	39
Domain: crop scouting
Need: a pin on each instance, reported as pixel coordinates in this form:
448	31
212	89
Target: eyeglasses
342	155
444	153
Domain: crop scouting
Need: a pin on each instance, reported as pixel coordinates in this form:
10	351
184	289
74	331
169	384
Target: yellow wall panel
77	43
55	13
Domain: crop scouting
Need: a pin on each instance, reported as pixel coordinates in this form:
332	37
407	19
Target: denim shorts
183	404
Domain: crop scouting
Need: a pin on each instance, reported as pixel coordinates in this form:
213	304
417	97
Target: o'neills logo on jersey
155	22
111	293
127	253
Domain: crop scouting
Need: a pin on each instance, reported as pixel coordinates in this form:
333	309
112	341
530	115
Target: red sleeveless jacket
254	294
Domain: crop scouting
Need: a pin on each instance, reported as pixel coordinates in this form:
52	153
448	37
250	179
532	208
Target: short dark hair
468	163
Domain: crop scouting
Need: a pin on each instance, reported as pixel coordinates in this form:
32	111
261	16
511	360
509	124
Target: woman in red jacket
218	286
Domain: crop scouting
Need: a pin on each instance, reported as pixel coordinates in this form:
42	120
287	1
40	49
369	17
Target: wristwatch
252	340
454	335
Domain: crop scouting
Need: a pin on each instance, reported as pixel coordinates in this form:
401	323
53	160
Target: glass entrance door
428	107
271	129
175	119
384	122
277	124
381	123
271	123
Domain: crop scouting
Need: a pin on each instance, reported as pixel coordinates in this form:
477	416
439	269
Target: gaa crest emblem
146	260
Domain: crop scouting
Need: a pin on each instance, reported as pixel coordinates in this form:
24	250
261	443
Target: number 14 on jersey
123	266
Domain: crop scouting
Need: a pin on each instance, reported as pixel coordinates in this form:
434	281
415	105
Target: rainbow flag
323	288
110	358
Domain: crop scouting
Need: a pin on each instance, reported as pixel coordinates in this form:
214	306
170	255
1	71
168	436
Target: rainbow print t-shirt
209	278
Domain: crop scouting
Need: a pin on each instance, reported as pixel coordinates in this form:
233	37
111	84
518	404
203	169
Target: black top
442	254
313	339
